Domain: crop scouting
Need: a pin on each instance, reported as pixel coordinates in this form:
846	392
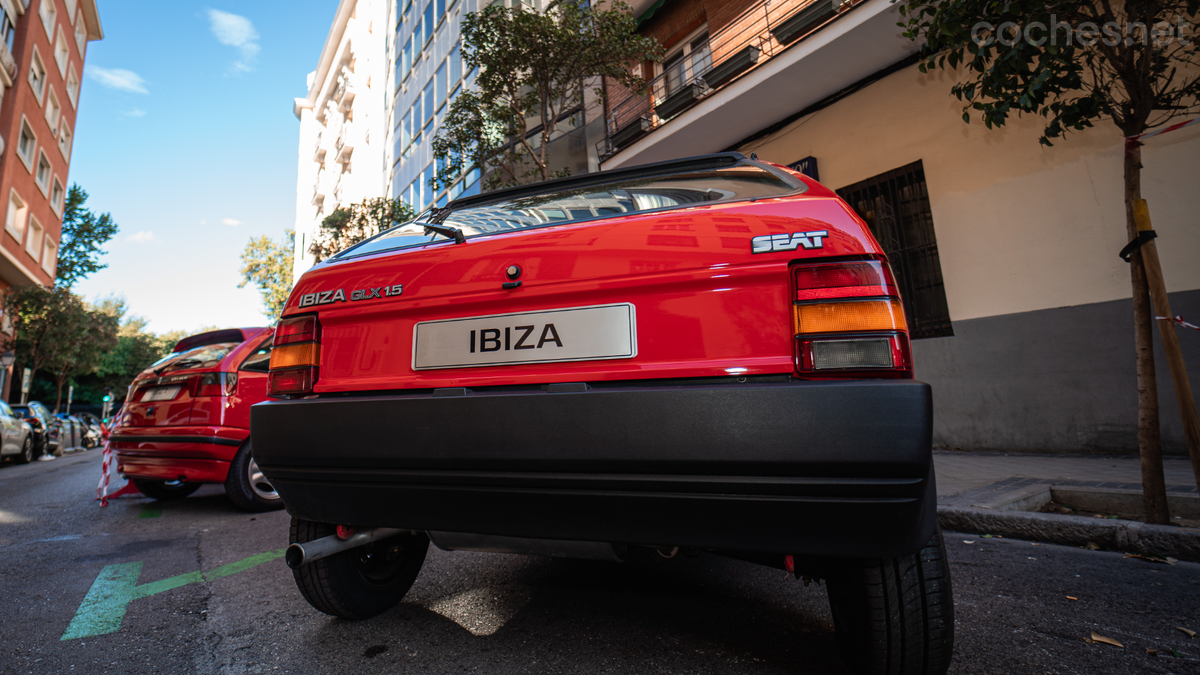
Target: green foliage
534	70
349	225
268	265
83	232
1099	69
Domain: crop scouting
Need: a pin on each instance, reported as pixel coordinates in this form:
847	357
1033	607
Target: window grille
896	207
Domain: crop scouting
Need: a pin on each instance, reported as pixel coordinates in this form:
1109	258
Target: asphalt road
196	586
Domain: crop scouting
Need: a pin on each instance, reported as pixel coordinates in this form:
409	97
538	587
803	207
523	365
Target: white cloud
236	31
143	237
230	222
136	112
117	78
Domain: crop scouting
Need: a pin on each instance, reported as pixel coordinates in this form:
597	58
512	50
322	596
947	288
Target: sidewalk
990	493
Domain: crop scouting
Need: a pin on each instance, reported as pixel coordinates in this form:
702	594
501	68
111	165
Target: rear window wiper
446	231
174	365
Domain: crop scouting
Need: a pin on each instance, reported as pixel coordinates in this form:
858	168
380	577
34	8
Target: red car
186	419
707	355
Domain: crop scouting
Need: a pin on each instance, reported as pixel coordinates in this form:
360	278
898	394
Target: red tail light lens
298	329
295	357
217	384
849	321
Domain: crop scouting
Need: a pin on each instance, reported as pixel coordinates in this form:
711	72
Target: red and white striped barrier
105	468
1178	320
1164	130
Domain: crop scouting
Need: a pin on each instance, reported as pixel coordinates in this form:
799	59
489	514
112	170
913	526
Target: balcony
8	67
344	95
318	149
344	145
773	60
318	197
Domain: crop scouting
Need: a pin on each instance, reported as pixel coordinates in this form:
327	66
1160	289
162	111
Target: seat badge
339	295
788	242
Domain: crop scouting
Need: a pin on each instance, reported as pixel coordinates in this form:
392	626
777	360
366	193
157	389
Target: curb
1114	535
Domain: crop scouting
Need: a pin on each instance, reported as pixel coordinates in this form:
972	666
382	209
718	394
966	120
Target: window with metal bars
896	207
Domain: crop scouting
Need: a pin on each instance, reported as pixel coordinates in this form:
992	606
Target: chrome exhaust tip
298	555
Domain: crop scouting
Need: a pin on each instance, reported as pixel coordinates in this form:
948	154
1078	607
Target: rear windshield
637	195
200	357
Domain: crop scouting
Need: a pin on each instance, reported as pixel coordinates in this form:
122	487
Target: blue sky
186	136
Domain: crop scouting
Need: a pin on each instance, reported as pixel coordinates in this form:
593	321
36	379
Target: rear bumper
194	454
808	468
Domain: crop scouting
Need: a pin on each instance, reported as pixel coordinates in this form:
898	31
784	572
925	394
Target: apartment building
343	129
43	46
1006	250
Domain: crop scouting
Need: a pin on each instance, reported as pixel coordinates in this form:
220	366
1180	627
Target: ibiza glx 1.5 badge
329	297
788	242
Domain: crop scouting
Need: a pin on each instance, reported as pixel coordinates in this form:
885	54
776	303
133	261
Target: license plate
160	393
550	336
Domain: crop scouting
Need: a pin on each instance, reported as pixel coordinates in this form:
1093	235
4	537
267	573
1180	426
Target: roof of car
698	163
213	337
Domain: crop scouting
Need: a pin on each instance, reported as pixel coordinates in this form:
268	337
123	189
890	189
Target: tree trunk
1154	490
58	383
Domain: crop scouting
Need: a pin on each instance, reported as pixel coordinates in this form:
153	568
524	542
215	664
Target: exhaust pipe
299	555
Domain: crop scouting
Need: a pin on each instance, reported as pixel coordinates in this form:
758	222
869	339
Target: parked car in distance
708	355
16	436
186	419
45	426
72	432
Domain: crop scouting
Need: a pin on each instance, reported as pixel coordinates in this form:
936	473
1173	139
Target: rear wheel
26	455
165	490
362	582
246	485
895	616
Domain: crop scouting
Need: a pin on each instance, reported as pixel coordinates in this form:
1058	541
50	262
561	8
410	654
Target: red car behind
186	419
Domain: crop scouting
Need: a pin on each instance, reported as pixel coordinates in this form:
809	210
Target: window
427	112
64	139
70	7
690	60
37	76
8	29
80	34
406	60
429	21
18	214
62	53
896	207
53	112
26	144
49	13
455	64
33	243
439	84
259	360
72	86
49	256
43	174
57	194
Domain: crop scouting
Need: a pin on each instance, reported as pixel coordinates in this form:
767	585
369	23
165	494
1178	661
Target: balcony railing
344	146
751	39
8	64
345	91
318	149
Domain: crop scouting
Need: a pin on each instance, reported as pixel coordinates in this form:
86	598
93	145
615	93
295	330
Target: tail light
849	321
217	384
296	356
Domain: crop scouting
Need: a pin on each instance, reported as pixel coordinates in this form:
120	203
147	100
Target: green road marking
150	511
103	609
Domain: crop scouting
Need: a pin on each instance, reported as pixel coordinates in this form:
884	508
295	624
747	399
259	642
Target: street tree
1075	63
45	325
83	233
83	335
535	70
268	265
348	225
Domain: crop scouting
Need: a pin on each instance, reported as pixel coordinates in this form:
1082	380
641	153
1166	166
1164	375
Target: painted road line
150	510
103	608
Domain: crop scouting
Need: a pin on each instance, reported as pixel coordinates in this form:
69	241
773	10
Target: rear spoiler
213	337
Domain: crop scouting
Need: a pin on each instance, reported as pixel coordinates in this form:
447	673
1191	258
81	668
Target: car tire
895	616
362	582
246	485
165	490
26	455
39	447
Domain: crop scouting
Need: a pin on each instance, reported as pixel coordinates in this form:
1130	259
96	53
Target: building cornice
328	54
91	16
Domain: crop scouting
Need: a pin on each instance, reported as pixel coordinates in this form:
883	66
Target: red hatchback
703	355
186	419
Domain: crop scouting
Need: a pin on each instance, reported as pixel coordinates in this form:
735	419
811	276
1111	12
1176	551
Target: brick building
1006	250
42	49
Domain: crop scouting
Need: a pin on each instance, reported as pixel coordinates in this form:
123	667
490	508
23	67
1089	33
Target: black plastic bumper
808	468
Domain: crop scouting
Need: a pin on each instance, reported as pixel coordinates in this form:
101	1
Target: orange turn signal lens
885	314
289	356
